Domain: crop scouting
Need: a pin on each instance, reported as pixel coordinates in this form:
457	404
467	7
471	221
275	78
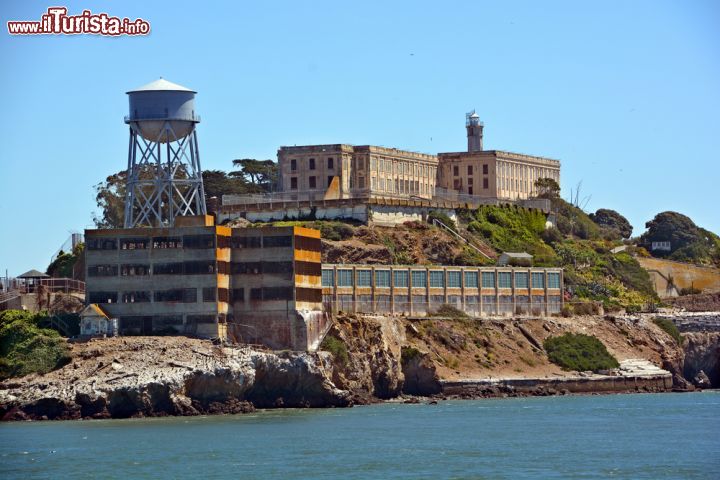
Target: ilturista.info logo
56	21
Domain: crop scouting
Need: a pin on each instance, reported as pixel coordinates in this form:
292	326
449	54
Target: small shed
96	321
515	259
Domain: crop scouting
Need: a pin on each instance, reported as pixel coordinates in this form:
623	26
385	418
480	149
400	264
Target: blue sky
625	94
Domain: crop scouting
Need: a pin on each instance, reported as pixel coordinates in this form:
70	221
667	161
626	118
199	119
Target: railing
66	285
458	236
7	296
440	195
414	308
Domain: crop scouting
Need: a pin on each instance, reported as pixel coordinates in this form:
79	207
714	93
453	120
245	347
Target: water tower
164	179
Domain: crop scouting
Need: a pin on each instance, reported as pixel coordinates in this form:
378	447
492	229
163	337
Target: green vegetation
337	348
449	311
669	327
26	348
511	229
62	266
579	245
442	218
579	352
547	188
688	242
614	224
408	354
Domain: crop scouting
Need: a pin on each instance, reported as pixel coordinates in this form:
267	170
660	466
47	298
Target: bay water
638	436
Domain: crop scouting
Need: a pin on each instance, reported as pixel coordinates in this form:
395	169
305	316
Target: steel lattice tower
164	178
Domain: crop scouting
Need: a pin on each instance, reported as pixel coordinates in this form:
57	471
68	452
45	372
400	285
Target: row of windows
311	164
186	241
207	267
200	267
178	295
456	169
209	294
408	168
189	241
438	279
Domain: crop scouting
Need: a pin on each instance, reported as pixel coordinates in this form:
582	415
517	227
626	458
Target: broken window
134	270
201	319
208	294
237	295
175	268
181	295
245	242
241	268
135	297
277	293
167	242
199	241
283	241
102	297
199	267
102	271
134	243
101	244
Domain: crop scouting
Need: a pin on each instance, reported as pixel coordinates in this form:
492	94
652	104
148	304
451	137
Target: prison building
491	173
308	172
209	281
419	290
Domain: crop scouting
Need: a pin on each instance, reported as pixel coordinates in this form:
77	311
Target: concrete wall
391	215
573	385
683	275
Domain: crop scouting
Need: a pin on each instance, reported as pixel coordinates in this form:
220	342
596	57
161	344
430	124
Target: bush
26	348
408	354
689	291
441	217
446	310
337	348
579	352
669	327
334	230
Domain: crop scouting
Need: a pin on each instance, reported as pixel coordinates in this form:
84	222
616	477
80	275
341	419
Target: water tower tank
162	111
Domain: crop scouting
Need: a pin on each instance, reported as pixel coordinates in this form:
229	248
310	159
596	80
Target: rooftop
161	85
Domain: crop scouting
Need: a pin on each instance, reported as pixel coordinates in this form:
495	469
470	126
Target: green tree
612	220
547	188
110	199
62	266
260	175
218	183
688	242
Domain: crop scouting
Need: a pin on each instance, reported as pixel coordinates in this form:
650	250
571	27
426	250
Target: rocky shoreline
385	359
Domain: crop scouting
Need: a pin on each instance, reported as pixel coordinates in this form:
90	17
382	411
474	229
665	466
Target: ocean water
653	436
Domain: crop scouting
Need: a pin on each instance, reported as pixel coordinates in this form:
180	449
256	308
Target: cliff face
702	353
373	367
156	376
375	358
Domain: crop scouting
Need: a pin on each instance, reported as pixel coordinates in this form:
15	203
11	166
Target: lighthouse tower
474	132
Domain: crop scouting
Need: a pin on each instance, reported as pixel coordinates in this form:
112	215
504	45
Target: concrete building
307	172
418	290
491	173
209	281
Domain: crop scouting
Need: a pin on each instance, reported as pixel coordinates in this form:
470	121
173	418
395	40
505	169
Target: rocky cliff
156	376
372	358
